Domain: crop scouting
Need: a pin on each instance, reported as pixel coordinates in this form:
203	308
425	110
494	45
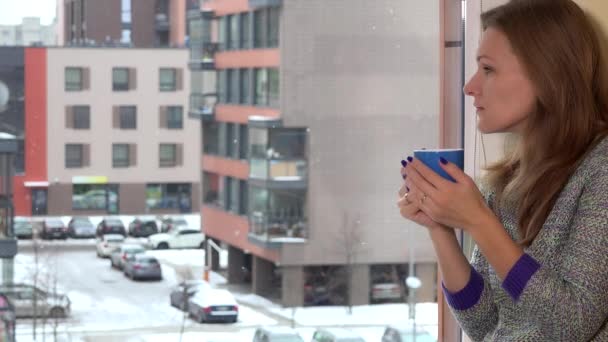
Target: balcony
271	230
202	106
203	57
279	173
254	4
162	22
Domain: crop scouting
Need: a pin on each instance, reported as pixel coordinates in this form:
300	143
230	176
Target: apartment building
29	32
107	133
137	23
302	104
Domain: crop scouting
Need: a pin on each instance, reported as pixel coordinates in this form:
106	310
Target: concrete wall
101	99
292	286
369	76
261	276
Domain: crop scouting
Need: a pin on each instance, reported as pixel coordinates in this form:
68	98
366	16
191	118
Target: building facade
137	23
30	32
107	132
299	115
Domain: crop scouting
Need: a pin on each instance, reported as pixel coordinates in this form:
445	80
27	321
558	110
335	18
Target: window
243	197
169	196
234	32
120	79
168	79
221	86
95	197
78	117
260	29
175	117
125	117
223	30
245	42
74	79
230	137
74	155
120	155
170	155
243	142
273	26
261	87
233	86
234	195
245	97
273	87
211	138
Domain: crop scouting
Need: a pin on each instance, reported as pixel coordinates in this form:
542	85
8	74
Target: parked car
142	266
335	335
107	243
53	228
215	305
122	253
142	227
177	238
386	292
111	226
392	334
23	228
184	291
48	304
276	334
170	223
81	227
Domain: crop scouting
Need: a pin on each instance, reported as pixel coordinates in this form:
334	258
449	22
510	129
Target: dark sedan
81	227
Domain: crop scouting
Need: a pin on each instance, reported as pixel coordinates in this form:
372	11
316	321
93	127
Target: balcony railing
264	3
277	227
202	107
202	55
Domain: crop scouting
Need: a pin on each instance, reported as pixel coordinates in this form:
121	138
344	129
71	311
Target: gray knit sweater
558	291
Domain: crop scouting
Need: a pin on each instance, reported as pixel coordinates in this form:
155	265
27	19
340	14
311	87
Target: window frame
167	86
121	163
69	85
73	163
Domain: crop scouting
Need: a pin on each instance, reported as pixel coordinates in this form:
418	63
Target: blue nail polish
404	163
410	159
443	161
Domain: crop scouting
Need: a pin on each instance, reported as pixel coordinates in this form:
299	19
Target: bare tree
350	244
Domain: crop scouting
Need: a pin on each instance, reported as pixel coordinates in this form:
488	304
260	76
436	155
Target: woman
539	271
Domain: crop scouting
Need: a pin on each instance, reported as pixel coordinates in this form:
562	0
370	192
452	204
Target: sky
12	11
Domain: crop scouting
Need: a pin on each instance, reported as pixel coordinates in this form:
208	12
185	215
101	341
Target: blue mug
430	158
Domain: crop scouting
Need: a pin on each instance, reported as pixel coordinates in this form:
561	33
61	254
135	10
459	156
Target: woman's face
504	96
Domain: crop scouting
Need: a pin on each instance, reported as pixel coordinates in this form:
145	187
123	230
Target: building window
120	155
245	42
233	86
261	87
39	201
234	32
223	30
170	155
74	79
243	197
74	155
120	79
243	142
234	195
260	29
125	117
273	87
175	116
221	86
230	137
211	138
95	197
245	98
169	196
77	117
168	79
273	26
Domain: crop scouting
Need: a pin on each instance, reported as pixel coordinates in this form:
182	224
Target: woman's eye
487	69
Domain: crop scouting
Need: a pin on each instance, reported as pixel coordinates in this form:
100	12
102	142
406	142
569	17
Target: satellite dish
5	95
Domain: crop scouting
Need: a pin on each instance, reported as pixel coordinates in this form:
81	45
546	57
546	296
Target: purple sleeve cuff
519	275
469	295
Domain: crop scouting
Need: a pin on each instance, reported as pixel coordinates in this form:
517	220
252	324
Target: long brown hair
561	53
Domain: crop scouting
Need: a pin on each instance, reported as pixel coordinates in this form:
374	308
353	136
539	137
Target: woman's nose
471	88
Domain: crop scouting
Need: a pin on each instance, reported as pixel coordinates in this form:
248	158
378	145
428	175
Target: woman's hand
458	204
409	208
